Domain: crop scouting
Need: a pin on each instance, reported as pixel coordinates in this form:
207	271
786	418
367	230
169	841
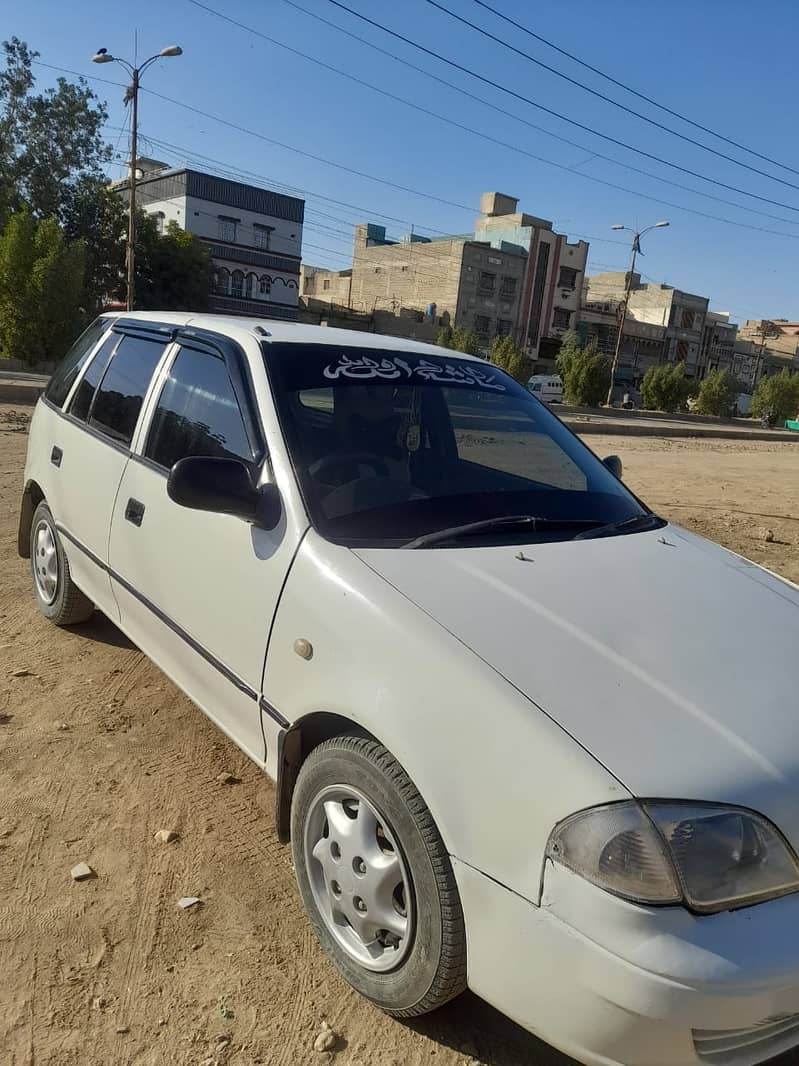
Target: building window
507	288
250	285
221	281
326	284
262	235
687	319
226	228
561	318
504	326
482	326
159	222
487	284
568	278
265	285
237	284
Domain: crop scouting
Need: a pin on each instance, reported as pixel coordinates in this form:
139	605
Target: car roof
273	330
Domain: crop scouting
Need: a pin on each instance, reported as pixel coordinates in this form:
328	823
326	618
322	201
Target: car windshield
391	446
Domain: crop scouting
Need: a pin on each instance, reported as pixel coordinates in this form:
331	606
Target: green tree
506	353
584	372
97	216
173	270
777	398
41	281
459	340
666	388
50	142
718	394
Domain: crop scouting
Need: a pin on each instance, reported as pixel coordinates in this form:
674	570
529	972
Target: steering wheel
345	465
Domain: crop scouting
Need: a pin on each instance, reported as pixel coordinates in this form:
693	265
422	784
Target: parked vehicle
527	736
547	387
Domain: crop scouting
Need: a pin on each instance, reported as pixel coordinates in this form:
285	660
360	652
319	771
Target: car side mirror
613	463
223	486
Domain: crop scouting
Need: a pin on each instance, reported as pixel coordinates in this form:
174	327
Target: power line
557	114
629	89
486	103
604	97
560	166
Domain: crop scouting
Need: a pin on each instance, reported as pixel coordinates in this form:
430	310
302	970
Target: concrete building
321	288
512	275
254	235
681	314
718	343
642	345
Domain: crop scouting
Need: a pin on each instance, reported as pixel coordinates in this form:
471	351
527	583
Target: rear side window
119	398
84	394
66	372
198	413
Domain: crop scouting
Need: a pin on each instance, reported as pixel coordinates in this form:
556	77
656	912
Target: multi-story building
718	343
254	235
642	343
682	314
512	275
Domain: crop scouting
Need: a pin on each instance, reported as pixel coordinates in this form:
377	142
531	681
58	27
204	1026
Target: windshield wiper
637	524
487	525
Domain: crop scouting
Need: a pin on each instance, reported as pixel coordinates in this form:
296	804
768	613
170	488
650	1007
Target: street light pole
132	95
636	248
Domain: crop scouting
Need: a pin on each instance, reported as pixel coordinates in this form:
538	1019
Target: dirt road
98	751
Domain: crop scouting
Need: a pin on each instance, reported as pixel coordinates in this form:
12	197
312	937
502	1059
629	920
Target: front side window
121	393
226	230
83	397
197	413
389	446
66	372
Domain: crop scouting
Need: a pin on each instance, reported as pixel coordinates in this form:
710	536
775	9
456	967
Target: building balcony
233	305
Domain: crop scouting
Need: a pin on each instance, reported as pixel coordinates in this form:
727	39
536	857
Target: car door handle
134	511
56	455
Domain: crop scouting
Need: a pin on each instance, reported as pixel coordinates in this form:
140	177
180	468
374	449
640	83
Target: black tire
433	970
69	605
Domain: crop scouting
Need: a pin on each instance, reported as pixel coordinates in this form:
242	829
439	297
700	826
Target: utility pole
132	97
636	248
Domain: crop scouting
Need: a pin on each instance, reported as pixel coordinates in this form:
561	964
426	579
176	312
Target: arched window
265	285
222	281
237	284
251	286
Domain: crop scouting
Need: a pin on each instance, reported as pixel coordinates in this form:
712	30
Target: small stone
98	1003
81	872
196	947
188	901
170	969
22	673
226	778
165	836
325	1041
123	1029
768	535
162	1021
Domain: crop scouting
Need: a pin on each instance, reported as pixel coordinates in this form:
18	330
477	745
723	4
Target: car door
198	590
89	451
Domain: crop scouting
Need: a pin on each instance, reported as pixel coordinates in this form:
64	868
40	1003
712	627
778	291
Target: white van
547	387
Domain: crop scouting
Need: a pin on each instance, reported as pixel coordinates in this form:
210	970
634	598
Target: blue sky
724	63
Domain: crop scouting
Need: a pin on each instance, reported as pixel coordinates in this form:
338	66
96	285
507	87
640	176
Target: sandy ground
98	750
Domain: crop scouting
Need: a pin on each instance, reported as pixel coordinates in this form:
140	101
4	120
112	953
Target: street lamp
636	248
132	95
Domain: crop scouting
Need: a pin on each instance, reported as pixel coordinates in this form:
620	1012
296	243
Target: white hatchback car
526	735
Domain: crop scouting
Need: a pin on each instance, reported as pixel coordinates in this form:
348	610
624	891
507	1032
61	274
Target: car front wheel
57	595
376	879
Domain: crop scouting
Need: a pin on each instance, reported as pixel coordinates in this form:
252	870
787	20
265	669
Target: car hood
674	662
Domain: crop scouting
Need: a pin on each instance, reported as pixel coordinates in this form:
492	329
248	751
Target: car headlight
707	857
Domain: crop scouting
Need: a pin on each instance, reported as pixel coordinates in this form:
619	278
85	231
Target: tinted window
84	394
389	446
116	407
198	413
70	366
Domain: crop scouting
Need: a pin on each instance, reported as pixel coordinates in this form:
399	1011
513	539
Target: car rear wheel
376	879
57	595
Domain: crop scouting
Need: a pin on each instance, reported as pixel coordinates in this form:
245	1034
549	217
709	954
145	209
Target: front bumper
612	983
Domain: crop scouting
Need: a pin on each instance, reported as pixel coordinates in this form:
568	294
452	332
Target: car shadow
472	1028
101	629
